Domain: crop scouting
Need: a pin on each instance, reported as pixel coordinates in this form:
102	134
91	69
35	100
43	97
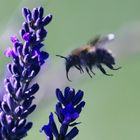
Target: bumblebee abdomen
104	56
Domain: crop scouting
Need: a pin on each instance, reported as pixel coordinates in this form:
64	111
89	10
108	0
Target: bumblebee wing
93	42
106	39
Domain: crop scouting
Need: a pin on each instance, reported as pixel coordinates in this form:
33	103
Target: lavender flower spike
68	110
27	59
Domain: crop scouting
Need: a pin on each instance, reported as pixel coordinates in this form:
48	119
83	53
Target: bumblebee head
70	62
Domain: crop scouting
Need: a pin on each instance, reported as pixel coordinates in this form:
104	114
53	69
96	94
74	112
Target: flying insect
91	55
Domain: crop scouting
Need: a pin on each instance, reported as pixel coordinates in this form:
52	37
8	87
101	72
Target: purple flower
14	39
50	129
26	37
27	59
69	113
68	110
10	52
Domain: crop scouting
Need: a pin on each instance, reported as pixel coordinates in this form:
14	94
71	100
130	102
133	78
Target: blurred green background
112	109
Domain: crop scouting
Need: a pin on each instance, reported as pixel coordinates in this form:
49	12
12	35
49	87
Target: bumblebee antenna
62	57
67	69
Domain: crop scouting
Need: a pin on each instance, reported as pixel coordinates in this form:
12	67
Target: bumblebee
91	55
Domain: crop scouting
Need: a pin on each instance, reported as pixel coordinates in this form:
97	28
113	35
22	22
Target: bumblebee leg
77	67
88	72
92	71
81	68
68	77
90	68
103	70
111	67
